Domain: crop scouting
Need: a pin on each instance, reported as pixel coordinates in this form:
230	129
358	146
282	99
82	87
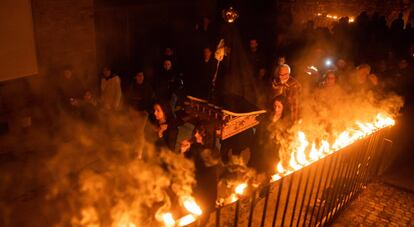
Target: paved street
379	205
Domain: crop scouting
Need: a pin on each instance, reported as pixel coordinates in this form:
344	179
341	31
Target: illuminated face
139	78
67	74
362	75
341	63
167	65
330	80
106	72
158	113
253	44
284	74
278	107
198	137
206	53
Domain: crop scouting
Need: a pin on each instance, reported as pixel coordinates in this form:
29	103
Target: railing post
279	192
252	206
288	197
265	204
304	193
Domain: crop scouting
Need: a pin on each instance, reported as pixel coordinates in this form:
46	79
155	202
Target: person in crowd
169	54
287	86
70	90
280	60
342	71
262	83
362	80
329	80
256	56
271	130
167	83
163	127
330	93
199	85
111	93
206	161
140	95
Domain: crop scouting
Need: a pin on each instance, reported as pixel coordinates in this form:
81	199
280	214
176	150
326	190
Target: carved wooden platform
228	123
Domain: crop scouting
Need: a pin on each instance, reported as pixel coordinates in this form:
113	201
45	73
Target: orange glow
192	206
168	219
240	188
186	220
305	152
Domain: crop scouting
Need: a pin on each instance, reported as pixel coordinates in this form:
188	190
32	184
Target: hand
374	79
161	130
185	145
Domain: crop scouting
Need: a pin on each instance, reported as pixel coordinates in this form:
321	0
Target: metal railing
313	195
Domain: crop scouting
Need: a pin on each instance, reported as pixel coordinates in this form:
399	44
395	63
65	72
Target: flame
303	143
305	152
276	177
351	20
293	162
240	188
190	204
186	220
168	219
280	168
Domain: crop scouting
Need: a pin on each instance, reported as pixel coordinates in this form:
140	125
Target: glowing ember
233	198
192	206
276	177
168	219
186	220
240	188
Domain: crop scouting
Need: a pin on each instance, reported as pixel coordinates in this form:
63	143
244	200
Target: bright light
328	62
186	220
192	206
168	219
240	188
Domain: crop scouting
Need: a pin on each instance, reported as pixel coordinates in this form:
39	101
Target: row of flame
335	17
298	160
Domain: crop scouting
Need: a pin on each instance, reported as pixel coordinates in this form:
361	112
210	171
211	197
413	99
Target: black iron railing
313	195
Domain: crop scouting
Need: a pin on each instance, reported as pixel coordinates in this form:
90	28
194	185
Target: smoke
328	112
93	176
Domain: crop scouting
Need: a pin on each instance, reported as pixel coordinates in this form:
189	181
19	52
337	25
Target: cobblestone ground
379	205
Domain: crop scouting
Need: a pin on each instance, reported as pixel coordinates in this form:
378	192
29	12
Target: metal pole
337	186
279	192
265	205
329	177
252	206
218	217
304	193
317	191
296	196
236	215
287	198
330	197
319	163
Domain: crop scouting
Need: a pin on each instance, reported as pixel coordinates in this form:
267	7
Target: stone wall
65	35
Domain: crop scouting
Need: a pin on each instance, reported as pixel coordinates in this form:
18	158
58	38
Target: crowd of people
369	56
